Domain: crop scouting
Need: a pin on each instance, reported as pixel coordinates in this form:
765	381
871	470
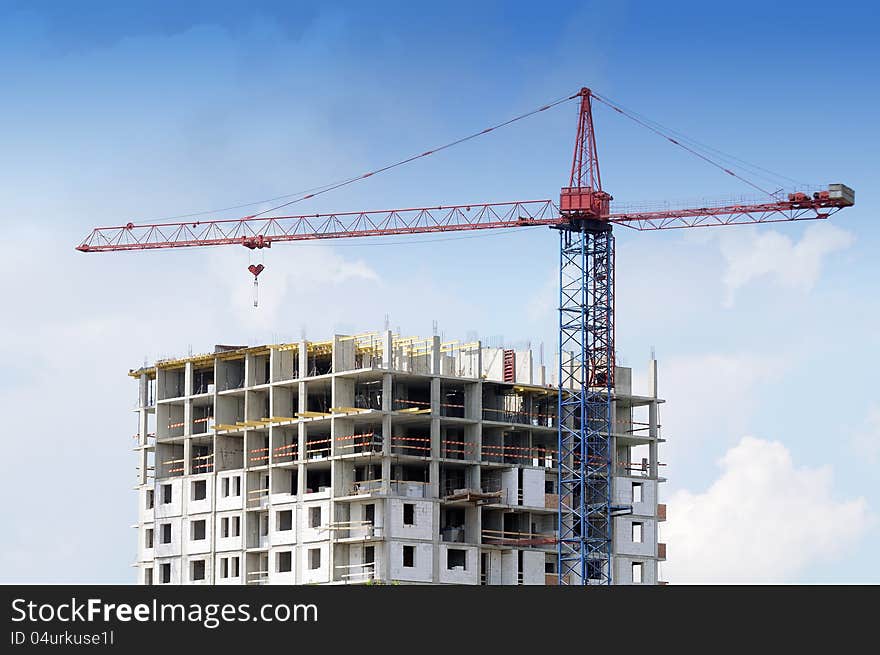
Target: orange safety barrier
411	447
318	450
527	448
206	465
355	436
172	462
260	457
361	441
425	404
293	451
509	411
171	426
509	456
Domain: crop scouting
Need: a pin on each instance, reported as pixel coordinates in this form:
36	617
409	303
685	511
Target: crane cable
388	167
307	194
736	162
657	128
659	132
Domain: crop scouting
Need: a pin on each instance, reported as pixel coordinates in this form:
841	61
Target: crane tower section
586	365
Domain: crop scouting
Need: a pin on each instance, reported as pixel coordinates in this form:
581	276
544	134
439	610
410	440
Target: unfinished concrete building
372	458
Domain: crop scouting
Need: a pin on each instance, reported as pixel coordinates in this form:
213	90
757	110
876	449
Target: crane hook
255	270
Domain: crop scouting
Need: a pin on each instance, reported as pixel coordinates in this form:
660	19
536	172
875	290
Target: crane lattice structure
584	219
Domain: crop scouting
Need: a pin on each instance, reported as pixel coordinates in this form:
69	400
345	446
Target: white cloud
700	391
866	440
794	265
294	278
81	321
764	520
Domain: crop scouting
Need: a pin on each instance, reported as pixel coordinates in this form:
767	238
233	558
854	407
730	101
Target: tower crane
584	219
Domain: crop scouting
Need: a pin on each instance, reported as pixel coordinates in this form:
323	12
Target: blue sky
767	336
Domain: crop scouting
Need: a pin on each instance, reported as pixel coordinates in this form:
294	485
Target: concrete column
143	425
335	472
387	390
187	456
143	473
477	407
385	544
387	400
653	419
652	378
435	542
387	353
435	399
249	371
653	468
303	359
435	356
434	488
187	407
143	390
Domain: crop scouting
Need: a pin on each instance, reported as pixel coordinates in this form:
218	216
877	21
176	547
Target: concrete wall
524	372
170	549
145	513
282	537
231	501
493	363
623	570
228	543
356	557
187	573
623	530
175	507
144	553
197	546
307	533
218	568
623	380
175	563
533	487
494	573
533	567
509	567
423	562
322	573
623	494
357	513
194	506
471	572
285	577
422	527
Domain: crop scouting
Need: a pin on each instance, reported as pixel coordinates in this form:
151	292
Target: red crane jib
262	232
583	198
